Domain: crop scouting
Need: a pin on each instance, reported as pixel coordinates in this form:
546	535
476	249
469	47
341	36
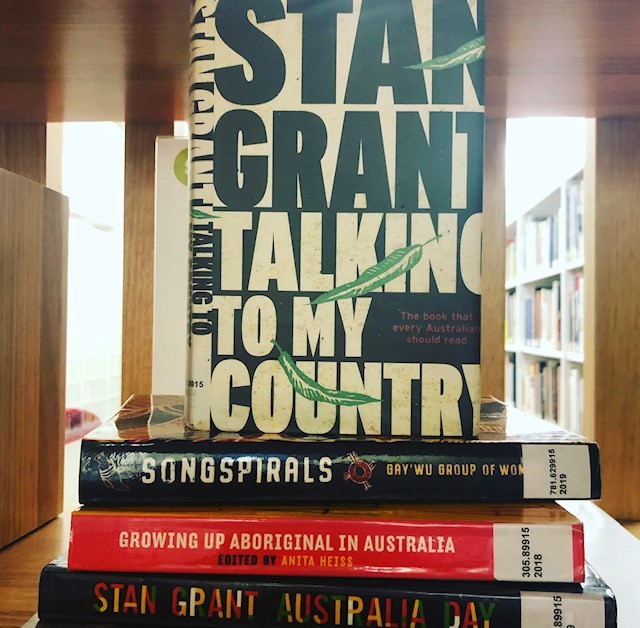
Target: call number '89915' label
575	610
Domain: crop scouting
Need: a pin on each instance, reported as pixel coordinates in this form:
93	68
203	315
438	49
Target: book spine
200	178
171	254
197	472
149	599
320	546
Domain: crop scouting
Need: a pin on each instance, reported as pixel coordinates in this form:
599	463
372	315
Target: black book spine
202	471
127	599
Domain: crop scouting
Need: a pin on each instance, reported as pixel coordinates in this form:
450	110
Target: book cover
170	283
145	454
336	218
176	600
533	543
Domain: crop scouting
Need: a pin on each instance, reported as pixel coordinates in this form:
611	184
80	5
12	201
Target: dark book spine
92	598
192	472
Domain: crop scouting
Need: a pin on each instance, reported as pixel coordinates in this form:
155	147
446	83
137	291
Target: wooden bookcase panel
33	245
612	359
139	220
492	328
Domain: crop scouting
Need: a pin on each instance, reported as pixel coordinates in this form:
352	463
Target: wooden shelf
536	352
540	275
574	356
575	264
21	564
570	356
106	60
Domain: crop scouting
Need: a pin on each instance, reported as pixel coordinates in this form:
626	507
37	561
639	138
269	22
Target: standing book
146	455
537	543
219	601
336	219
170	286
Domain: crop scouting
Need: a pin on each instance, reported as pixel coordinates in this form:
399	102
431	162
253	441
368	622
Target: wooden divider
23	150
33	254
492	327
139	212
612	336
53	350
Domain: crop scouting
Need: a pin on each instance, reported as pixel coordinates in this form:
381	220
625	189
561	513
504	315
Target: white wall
540	154
92	176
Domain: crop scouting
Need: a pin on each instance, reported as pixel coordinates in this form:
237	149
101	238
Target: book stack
331	462
182	527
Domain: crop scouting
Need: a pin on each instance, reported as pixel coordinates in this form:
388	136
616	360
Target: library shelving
544	306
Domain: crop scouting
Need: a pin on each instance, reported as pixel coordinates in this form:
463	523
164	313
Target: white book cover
171	267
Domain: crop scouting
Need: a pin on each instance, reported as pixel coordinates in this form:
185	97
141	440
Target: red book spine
327	547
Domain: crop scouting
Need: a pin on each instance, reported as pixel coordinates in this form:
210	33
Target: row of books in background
542	392
540	249
185	528
541	233
541	389
542	316
541	243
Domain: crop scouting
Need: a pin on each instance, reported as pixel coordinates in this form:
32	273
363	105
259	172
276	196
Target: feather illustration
467	53
395	264
310	389
196	213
